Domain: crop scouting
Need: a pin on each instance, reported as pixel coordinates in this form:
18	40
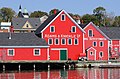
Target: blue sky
80	7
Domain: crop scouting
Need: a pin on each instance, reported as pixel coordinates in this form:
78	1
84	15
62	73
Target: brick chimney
55	11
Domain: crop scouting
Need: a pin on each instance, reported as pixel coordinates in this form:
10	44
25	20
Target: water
83	73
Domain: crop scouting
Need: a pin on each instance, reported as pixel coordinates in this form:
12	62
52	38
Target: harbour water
80	73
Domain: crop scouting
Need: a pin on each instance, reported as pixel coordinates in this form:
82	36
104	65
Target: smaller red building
22	46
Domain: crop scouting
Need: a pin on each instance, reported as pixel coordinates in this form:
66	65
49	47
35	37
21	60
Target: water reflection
65	74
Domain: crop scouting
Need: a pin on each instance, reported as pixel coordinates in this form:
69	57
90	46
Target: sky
80	7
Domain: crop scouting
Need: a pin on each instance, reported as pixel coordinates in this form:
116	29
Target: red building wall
23	54
97	37
63	30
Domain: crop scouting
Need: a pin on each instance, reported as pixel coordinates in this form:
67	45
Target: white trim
102	44
83	44
64	17
13	52
70	19
55	41
89	34
64	40
98	30
24	46
48	54
24	29
34	52
51	27
68	41
58	48
49	40
72	29
42	35
91	48
93	43
77	41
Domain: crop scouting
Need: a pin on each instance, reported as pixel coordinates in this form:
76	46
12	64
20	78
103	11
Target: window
73	29
101	43
52	29
94	43
69	41
63	41
36	52
116	49
56	41
90	33
75	41
10	52
50	41
101	54
91	52
63	17
27	25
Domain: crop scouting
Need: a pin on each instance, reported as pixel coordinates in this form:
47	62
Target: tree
117	21
100	12
53	11
89	18
37	14
7	13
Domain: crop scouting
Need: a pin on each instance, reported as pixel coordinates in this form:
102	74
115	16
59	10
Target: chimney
55	11
11	29
78	21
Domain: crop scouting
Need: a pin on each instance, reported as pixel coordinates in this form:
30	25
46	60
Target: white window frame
102	54
13	52
61	41
95	42
64	17
77	41
68	41
51	29
55	41
102	43
90	52
38	54
72	29
49	40
89	34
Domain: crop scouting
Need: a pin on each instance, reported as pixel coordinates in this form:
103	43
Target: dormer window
52	28
63	17
27	25
90	33
73	29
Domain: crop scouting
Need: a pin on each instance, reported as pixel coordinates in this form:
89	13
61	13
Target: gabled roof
21	40
97	30
50	19
18	23
111	32
91	48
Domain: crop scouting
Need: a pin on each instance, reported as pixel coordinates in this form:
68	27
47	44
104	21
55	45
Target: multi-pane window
50	41
36	52
75	41
90	33
94	43
56	41
63	17
69	41
63	41
73	29
52	28
101	43
10	52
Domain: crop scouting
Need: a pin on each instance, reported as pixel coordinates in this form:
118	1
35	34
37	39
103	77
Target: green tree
7	13
37	14
117	21
53	10
100	12
89	18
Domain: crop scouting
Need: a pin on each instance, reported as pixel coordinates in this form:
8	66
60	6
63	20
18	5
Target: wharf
99	64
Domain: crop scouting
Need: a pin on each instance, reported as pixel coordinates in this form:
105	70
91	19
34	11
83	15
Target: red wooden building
96	43
64	36
22	46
